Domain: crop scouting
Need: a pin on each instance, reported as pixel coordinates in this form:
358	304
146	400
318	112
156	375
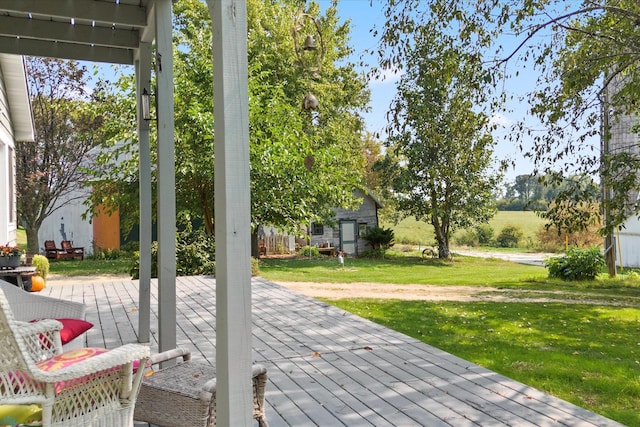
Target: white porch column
232	213
143	80
166	179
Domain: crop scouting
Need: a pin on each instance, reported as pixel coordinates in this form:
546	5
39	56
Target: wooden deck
327	367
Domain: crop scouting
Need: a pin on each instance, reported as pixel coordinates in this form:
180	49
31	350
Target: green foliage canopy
439	149
579	49
302	163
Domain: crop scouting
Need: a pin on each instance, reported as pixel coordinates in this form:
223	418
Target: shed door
348	236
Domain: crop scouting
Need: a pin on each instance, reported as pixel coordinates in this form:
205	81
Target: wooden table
332	251
18	273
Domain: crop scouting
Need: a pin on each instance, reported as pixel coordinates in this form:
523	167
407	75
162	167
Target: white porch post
166	179
232	213
143	78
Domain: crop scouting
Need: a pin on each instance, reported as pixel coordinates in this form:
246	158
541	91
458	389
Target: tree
303	163
66	128
439	148
586	54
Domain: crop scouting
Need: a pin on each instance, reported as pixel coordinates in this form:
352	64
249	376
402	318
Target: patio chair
86	387
74	251
52	252
28	307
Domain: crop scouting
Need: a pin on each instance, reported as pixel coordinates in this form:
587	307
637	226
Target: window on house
362	229
317	229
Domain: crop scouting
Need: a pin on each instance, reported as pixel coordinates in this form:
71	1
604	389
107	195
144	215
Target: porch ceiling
90	30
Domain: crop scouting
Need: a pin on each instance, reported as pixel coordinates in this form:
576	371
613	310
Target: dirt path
451	293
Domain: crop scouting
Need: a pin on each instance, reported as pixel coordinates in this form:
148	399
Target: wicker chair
99	391
185	394
27	306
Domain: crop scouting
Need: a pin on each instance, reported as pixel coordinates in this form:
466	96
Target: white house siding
624	139
66	223
628	244
7	191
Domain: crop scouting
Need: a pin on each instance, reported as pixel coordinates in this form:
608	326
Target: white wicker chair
27	306
99	391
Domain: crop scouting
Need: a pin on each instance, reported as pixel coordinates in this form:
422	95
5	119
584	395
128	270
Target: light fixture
146	109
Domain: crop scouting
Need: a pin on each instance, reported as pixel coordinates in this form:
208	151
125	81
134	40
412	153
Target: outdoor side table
185	395
19	273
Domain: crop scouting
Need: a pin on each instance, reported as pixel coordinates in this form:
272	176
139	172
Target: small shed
350	227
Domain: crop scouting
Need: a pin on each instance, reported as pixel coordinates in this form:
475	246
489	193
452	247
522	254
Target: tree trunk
255	252
33	246
443	249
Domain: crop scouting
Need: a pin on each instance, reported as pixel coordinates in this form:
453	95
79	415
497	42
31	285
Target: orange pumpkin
37	284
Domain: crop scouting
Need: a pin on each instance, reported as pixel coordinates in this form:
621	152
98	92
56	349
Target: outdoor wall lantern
146	108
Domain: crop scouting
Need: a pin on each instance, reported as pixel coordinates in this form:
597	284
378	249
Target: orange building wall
106	230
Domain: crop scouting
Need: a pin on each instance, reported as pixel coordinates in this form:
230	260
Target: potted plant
10	256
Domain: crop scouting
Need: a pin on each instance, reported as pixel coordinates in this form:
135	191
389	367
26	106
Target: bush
509	237
380	238
310	251
255	267
550	240
577	264
485	234
110	254
195	255
467	238
41	263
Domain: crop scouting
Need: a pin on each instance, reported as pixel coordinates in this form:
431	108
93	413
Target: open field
411	231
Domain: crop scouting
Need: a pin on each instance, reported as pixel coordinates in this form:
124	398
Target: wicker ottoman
185	395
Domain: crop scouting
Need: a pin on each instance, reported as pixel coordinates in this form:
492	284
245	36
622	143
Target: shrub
467	238
485	234
41	263
110	254
509	236
195	255
310	251
577	264
550	240
380	238
255	267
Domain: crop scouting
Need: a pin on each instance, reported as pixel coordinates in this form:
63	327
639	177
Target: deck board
328	367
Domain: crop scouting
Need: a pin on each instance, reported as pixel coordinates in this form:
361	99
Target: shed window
362	229
317	229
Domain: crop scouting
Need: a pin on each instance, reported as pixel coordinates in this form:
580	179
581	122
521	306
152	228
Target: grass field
421	233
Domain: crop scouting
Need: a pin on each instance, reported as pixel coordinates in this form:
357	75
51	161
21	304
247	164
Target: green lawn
402	269
90	266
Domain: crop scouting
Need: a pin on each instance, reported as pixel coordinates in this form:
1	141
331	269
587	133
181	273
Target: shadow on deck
327	367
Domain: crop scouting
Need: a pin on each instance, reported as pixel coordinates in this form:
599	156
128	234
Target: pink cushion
69	358
72	328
